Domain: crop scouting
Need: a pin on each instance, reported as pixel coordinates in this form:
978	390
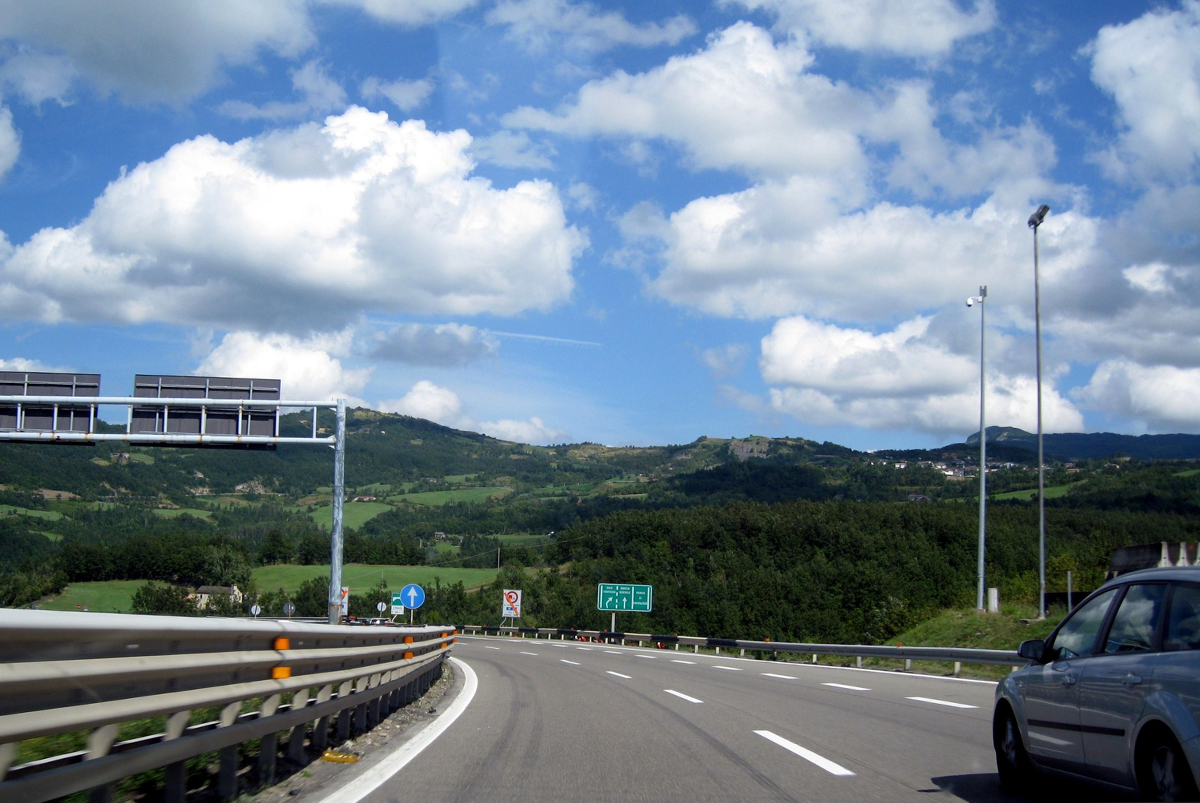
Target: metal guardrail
64	672
958	656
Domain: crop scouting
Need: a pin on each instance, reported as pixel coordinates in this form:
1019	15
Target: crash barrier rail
958	656
68	672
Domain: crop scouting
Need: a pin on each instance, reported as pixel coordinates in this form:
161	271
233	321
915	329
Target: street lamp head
971	301
1038	216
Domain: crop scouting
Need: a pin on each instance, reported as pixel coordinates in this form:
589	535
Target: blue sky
627	223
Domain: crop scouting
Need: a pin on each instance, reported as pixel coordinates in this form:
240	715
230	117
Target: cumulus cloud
1162	397
406	95
742	103
902	379
318	92
1151	67
406	12
782	248
532	431
535	23
435	403
903	27
444	345
429	401
10	142
148	50
513	149
37	77
300	230
308	368
23	364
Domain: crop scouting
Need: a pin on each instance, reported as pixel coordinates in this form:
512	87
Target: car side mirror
1032	650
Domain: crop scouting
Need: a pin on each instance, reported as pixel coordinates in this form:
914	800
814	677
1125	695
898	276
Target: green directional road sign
624	597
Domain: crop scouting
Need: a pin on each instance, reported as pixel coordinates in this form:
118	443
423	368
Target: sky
626	223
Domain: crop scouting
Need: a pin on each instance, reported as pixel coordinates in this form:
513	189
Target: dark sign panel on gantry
48	416
209	418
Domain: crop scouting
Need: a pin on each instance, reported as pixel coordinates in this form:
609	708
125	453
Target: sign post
624	597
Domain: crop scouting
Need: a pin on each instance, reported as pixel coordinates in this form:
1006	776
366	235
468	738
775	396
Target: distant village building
204	593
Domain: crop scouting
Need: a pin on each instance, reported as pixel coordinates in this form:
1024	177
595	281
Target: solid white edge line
683	696
940	702
806	754
618	674
373	778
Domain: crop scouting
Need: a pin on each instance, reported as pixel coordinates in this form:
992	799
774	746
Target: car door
1050	692
1114	682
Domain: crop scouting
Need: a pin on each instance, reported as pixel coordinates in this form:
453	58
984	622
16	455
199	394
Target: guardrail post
320	734
360	718
175	783
227	776
343	724
268	746
101	794
295	750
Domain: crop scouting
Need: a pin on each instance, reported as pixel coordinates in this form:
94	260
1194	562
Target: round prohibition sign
513	597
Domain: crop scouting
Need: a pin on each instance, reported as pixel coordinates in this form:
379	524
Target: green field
172	513
360	577
354	514
112	596
1031	493
12	510
116	596
439	498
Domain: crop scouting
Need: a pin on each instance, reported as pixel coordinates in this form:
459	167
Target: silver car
1114	693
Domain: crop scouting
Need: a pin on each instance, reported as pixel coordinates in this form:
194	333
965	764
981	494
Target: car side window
1076	637
1136	620
1183	619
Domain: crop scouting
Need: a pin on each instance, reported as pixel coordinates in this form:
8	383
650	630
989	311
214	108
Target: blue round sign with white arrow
413	595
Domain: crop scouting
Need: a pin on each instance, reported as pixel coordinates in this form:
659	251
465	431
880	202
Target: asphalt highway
562	721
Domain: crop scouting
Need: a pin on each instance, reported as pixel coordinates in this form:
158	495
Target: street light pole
981	298
1035	220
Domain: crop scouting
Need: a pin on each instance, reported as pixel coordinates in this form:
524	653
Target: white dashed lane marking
683	696
940	702
806	754
678	661
728	668
528	653
572	663
844	686
618	674
781	677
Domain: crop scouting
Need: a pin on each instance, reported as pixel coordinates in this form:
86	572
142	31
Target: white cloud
23	364
782	248
447	344
535	23
406	12
532	431
1163	397
300	230
1151	67
431	402
38	77
741	103
319	94
513	149
308	368
902	379
149	50
725	361
10	142
918	28
406	95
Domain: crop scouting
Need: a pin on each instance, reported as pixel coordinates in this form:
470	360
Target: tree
277	548
164	598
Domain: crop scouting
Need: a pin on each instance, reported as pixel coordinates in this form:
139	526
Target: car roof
1191	573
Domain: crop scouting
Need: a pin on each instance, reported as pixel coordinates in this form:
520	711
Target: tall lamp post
982	442
1035	220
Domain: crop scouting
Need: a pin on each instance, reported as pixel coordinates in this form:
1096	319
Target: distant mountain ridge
1096	445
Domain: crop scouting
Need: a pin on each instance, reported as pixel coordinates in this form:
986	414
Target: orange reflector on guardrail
280	672
407	655
408	640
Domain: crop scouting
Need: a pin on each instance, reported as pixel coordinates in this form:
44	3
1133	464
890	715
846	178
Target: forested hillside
781	537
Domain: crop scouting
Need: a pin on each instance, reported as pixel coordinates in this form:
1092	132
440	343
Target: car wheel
1164	773
1012	762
